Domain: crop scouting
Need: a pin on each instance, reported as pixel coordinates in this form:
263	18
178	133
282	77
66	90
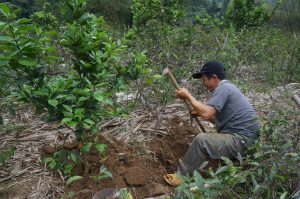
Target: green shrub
164	11
26	51
246	13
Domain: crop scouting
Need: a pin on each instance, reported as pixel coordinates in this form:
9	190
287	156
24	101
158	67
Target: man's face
211	83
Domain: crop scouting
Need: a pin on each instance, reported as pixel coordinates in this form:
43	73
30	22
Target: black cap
213	67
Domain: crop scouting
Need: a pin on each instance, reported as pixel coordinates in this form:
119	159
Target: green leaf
199	181
148	80
100	96
87	123
66	120
254	163
157	76
68	168
79	111
82	99
4	9
221	170
53	103
11	150
72	123
257	188
52	164
74	156
5	38
60	96
86	147
47	160
2	23
203	165
86	126
69	108
283	195
227	161
72	179
24	20
91	122
101	148
28	62
4	62
119	42
105	173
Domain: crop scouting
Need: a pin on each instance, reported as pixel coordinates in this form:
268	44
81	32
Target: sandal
172	179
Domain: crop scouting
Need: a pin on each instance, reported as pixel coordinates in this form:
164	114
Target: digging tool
171	76
296	99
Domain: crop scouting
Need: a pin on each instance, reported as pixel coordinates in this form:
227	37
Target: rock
71	145
119	182
155	189
49	149
123	97
135	176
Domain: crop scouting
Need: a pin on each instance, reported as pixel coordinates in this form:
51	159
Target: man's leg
213	146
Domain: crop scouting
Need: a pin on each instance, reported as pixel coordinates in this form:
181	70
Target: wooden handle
169	73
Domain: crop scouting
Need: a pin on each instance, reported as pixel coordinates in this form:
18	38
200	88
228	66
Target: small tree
83	94
246	13
165	11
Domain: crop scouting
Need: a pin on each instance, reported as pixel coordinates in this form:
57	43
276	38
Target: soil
137	166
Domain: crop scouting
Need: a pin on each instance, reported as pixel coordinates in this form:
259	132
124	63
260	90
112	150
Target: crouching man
235	119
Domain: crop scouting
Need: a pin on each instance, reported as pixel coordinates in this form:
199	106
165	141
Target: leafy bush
83	94
245	13
114	11
26	51
146	11
97	67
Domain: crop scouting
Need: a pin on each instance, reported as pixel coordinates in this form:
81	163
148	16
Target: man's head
211	74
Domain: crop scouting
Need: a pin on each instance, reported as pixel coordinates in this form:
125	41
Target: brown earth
139	166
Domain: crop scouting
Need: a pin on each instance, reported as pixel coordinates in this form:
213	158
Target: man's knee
202	138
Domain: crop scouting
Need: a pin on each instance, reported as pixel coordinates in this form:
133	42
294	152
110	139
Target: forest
88	107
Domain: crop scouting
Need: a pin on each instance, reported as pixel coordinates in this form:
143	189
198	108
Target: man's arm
204	111
195	114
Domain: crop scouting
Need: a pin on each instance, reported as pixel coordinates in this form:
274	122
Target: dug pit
141	166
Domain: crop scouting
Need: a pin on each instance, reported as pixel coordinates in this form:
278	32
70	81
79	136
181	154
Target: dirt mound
170	148
138	167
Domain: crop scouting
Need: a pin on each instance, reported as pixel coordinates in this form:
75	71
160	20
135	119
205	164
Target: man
235	119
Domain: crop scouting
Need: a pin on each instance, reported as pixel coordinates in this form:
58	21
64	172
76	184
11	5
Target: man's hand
202	110
183	93
194	113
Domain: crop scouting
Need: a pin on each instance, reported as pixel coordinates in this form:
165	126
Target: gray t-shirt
234	112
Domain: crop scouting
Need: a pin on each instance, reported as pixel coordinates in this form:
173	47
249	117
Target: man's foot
172	179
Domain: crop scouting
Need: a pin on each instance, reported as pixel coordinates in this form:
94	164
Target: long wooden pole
171	76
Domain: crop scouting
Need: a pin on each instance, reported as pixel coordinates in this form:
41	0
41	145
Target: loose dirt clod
135	176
